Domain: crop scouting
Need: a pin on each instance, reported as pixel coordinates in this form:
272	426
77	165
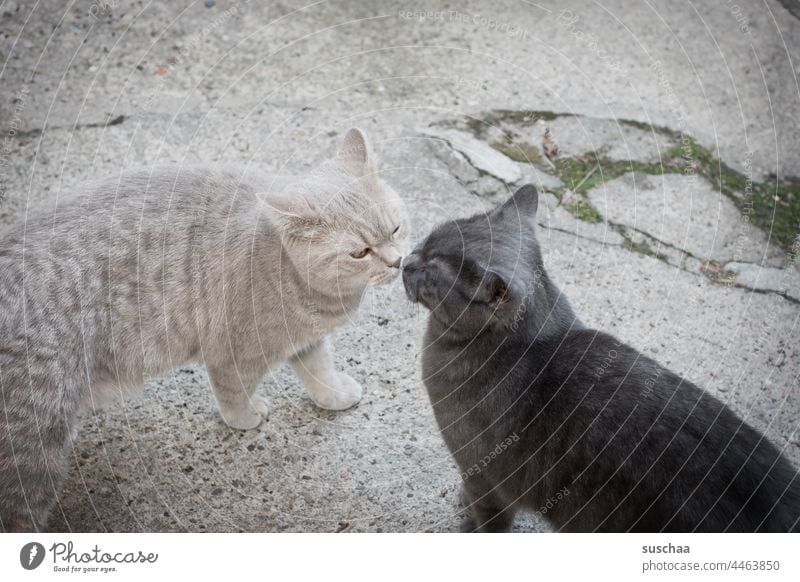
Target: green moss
775	206
772	205
690	151
582	209
558	192
522	152
638	247
637	124
523	117
732	181
652	169
479	125
649	127
641	247
583	174
579	174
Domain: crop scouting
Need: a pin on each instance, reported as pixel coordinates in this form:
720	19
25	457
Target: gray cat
139	273
544	414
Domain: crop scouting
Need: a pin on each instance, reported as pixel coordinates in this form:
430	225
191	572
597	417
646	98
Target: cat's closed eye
395	231
360	254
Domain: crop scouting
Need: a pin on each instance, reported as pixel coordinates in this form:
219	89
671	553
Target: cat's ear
354	153
524	202
494	287
293	214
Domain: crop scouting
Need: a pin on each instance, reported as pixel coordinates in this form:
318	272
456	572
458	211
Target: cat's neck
548	315
544	316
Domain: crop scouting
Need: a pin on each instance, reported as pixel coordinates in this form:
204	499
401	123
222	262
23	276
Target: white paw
259	404
249	417
347	393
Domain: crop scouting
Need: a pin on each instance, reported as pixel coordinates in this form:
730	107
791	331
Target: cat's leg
32	479
486	513
327	387
35	441
234	388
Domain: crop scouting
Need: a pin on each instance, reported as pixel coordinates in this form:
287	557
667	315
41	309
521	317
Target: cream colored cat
139	273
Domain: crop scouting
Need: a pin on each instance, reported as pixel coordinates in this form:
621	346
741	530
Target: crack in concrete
119	119
785	296
580	236
622	229
712	279
481	172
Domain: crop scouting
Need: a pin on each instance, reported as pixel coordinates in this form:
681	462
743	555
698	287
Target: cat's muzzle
412	277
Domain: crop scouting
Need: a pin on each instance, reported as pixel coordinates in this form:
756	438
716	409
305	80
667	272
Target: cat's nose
397	264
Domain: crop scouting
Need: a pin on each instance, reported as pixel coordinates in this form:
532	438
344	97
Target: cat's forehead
369	215
464	235
476	239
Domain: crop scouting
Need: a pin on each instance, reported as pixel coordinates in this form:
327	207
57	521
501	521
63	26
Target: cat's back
132	198
666	454
134	229
144	208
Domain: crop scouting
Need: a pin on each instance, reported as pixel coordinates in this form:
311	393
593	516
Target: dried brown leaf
549	146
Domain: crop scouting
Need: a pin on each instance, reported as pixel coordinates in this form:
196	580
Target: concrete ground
669	118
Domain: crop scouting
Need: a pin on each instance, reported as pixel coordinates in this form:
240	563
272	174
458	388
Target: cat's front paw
249	416
345	394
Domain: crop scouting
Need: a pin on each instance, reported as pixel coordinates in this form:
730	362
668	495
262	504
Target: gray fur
544	414
136	274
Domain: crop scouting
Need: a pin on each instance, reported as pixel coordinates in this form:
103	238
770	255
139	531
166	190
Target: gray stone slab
684	212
